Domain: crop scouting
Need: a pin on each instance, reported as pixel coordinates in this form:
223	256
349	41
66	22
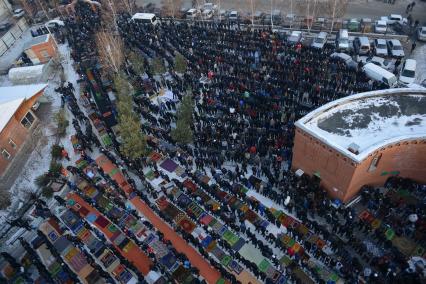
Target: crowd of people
249	86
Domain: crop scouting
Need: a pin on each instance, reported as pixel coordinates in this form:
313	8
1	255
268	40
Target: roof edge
365	153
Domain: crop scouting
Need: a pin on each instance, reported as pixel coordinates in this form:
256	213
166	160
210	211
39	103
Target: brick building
16	119
41	49
363	140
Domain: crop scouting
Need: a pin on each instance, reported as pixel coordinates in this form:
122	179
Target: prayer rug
187	225
250	216
183	201
150	175
171	211
206	219
218	252
155	156
83	211
91	217
418	251
263	265
225	260
224	231
239	244
205	179
168	260
102	221
302	229
404	245
169	165
235	267
270	272
206	241
179	171
190	185
211	246
179	216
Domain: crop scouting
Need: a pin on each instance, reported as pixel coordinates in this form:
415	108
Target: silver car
320	40
395	48
380	47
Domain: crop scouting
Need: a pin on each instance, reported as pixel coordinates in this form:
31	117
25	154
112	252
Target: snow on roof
12	97
7	110
369	120
20	91
26	74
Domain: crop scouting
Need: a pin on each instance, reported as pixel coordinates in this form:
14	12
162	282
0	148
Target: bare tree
111	51
336	9
171	7
26	7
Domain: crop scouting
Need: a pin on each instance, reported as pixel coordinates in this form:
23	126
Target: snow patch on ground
419	54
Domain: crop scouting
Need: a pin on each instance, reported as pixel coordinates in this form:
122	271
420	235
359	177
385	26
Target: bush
47	192
56	152
42	180
61	120
55	169
4	200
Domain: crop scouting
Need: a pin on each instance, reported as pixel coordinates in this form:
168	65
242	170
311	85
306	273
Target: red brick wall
15	131
49	47
342	178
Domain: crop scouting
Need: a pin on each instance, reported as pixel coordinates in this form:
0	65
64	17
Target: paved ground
356	8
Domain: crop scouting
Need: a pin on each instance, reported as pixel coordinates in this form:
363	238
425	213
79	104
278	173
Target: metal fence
7	40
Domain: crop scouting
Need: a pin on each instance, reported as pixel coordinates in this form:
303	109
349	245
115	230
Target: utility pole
272	21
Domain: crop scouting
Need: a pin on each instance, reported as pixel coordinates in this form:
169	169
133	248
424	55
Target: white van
379	74
342	40
145	18
362	45
408	72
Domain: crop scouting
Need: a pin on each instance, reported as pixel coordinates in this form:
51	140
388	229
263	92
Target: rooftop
12	97
368	121
36	40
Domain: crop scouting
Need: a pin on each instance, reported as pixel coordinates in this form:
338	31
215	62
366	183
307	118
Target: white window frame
25	118
7	156
12	143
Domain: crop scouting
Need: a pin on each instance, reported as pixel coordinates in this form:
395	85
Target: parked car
402	28
233	16
295	37
394	18
276	16
320	40
361	45
380	47
387	64
192	13
366	25
342	40
5	26
223	13
207	14
408	72
18	13
395	48
380	27
421	34
345	58
55	23
353	25
210	6
259	15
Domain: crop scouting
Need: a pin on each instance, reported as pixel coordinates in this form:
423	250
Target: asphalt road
356	8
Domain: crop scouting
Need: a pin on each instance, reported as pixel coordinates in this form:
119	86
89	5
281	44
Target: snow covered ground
39	160
419	54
